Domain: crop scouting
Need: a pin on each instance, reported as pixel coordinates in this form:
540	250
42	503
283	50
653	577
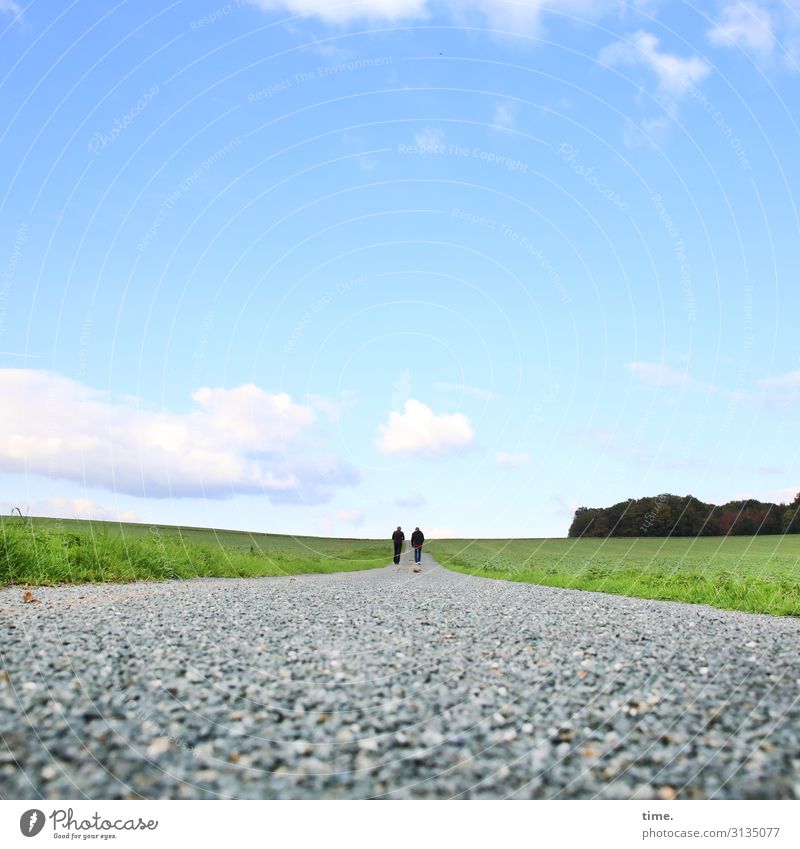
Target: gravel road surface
391	683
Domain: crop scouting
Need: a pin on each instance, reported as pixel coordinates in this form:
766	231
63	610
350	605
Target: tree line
686	516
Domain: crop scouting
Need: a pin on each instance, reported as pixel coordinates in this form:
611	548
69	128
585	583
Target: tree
685	516
791	517
582	521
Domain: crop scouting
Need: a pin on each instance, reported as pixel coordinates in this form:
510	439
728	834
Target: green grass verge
755	574
52	551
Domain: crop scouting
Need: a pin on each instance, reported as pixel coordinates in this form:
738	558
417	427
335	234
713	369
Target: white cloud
653	128
779	391
80	508
339	11
514	16
429	138
9	7
783	382
774	393
648	132
503	118
476	391
512	460
761	28
413	500
675	75
419	432
660	374
240	440
744	24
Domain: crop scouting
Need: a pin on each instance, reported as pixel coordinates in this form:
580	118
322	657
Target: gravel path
391	683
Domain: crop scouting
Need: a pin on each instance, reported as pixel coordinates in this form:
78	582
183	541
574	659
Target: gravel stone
391	683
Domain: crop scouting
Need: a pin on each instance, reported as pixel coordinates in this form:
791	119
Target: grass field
756	574
67	551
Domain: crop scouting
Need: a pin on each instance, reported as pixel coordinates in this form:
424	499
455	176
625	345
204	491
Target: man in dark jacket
397	538
417	538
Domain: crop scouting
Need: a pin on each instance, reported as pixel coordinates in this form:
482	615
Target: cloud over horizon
233	441
77	508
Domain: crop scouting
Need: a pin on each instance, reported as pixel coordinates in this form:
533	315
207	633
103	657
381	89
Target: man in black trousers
417	538
397	538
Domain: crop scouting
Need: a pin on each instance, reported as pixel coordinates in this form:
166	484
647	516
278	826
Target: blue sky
317	267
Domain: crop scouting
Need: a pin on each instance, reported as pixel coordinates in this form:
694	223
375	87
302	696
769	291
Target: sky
311	267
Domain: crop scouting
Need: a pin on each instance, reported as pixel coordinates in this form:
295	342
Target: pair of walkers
417	538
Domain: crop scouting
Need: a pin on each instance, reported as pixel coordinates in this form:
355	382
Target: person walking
397	538
417	538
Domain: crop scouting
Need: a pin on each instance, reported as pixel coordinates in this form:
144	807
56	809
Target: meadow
755	574
68	551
